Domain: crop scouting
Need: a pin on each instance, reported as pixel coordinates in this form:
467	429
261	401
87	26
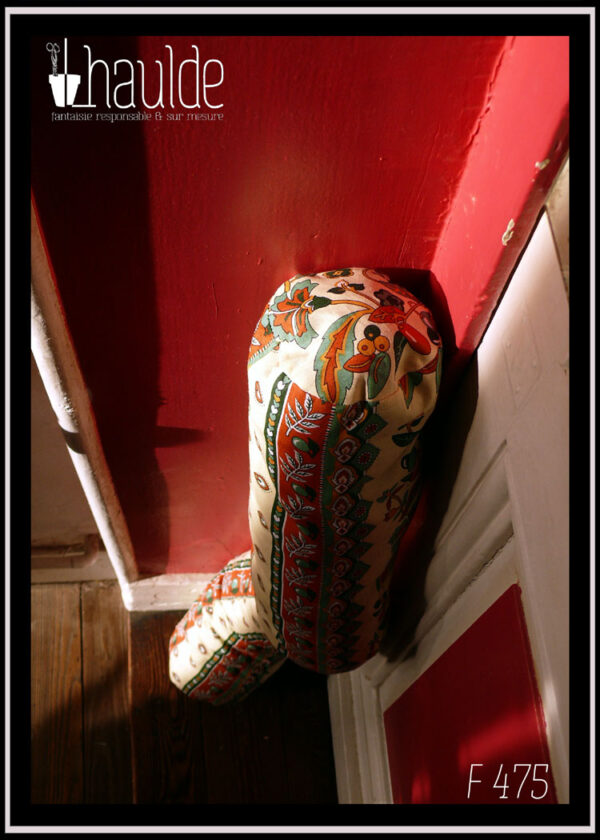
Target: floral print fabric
343	371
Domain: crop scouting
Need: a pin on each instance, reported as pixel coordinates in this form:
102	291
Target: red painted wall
478	704
517	147
166	238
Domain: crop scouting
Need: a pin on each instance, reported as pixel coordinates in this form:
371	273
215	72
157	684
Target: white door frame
507	522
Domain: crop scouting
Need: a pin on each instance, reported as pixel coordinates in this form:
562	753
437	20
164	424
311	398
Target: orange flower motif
288	315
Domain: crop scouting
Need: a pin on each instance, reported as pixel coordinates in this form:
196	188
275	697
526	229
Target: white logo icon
64	85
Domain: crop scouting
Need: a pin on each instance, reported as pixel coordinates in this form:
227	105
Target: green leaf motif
303	622
306	593
408	382
404	439
378	374
337	347
304	490
309	529
400	343
438	371
308	445
320	302
410	459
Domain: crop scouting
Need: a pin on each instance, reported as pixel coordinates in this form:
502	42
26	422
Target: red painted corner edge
518	150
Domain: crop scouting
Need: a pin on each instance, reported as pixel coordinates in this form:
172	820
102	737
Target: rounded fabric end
343	373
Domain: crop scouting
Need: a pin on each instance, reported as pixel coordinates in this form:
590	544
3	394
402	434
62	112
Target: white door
507	522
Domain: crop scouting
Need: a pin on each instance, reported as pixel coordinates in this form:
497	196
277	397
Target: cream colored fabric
217	651
343	372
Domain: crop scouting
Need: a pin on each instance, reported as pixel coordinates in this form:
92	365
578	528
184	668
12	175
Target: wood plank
166	727
308	742
244	748
272	748
56	704
106	726
275	747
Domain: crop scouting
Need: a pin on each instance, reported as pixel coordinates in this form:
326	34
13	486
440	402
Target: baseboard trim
359	745
163	592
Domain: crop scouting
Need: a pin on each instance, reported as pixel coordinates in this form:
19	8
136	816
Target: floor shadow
283	725
274	747
81	753
90	183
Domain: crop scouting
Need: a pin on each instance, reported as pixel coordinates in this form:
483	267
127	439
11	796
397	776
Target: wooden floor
109	727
